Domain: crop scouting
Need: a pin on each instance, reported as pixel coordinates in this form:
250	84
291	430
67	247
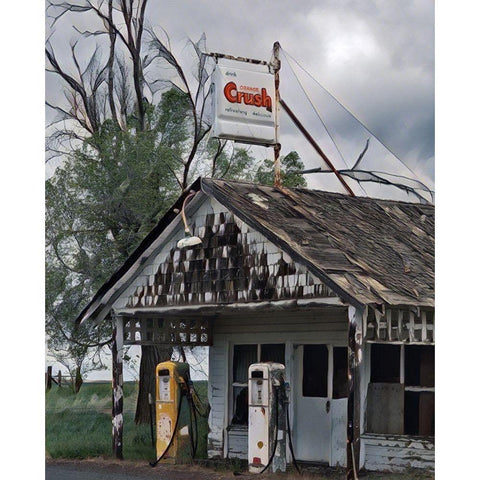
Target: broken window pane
243	357
273	352
340	372
419	365
315	370
419	413
385	363
240	406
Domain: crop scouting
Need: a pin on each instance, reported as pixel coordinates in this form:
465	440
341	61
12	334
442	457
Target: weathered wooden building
339	289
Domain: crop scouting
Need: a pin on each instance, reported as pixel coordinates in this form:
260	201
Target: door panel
312	424
339	432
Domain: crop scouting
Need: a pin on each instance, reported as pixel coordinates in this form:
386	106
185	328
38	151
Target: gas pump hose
154	464
290	443
193	419
276	432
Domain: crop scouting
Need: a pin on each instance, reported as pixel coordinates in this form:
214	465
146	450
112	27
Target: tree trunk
152	355
78	380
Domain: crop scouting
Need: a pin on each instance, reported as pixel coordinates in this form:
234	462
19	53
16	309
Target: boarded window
385	363
340	372
315	371
401	408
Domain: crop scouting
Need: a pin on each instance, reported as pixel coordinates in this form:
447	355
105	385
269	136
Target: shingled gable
366	251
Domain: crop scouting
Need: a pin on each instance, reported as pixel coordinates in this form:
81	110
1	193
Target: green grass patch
80	426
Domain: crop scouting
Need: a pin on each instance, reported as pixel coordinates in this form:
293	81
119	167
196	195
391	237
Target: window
315	371
419	390
243	357
340	372
316	366
385	362
401	394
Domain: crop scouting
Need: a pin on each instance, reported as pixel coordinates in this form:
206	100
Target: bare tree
120	89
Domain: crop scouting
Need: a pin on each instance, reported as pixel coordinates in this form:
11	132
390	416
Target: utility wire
317	112
321	119
346	109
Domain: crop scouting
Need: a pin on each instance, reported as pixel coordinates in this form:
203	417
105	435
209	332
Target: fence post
59	378
48	379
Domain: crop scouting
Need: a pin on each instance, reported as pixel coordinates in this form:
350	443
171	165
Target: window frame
409	388
232	384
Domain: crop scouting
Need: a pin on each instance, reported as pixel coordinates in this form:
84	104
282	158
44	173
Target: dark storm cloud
376	57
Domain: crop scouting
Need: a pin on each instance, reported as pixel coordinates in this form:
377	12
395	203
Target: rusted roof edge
207	186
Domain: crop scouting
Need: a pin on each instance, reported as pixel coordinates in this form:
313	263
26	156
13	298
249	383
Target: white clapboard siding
391	453
327	325
323	325
238	443
216	395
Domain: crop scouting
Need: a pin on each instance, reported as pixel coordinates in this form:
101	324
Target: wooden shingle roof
370	251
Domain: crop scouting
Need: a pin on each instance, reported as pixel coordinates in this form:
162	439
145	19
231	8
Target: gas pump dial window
164	386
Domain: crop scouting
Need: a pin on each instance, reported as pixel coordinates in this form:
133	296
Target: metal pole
314	144
276	148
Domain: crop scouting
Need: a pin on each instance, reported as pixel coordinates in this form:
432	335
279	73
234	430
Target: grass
80	426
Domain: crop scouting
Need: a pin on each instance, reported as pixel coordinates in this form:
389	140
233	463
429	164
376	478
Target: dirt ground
108	469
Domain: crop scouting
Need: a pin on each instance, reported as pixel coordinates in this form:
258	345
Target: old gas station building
338	289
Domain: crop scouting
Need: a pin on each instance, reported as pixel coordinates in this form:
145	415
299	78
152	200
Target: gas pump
266	417
171	385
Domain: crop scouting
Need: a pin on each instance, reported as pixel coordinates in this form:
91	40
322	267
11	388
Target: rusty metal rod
276	149
238	59
314	144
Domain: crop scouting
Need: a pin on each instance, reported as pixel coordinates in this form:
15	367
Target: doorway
320	403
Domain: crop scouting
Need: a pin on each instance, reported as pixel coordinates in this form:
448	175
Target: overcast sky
375	56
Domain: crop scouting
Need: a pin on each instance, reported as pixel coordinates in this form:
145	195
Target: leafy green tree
131	134
291	168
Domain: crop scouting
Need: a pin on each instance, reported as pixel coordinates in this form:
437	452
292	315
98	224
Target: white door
320	403
312	419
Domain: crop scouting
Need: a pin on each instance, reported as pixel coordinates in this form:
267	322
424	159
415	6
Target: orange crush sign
258	99
244	103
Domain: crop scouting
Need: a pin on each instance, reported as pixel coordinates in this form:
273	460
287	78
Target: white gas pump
266	417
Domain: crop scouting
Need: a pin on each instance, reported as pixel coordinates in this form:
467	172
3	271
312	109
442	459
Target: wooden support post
355	354
117	388
59	378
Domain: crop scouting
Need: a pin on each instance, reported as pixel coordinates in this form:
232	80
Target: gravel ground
103	469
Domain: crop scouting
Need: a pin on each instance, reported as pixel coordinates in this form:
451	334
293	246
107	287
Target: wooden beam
117	389
314	144
355	355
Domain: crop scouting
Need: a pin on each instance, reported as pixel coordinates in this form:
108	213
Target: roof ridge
324	192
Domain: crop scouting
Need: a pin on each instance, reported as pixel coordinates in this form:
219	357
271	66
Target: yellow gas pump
171	385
